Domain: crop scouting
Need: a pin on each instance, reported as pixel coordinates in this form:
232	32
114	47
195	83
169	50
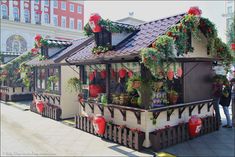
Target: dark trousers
216	108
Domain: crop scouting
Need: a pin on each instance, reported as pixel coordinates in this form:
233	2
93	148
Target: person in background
233	100
217	92
225	102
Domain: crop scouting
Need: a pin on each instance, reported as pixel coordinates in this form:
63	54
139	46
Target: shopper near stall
233	100
225	102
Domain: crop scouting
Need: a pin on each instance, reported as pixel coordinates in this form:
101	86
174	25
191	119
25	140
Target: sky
152	10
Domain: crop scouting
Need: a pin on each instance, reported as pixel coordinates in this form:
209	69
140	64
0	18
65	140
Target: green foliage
74	84
51	80
130	81
100	49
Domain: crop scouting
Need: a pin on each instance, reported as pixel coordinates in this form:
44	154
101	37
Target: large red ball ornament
195	11
194	126
122	73
99	124
233	46
40	106
94	22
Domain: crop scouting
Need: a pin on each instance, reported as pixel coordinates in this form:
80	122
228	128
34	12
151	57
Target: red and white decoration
94	22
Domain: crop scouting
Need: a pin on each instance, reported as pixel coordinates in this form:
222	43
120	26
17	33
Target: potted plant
74	84
172	96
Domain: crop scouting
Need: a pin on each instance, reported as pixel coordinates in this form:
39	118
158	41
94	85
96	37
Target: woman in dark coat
225	102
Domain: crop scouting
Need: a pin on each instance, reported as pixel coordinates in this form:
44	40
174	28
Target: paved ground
24	133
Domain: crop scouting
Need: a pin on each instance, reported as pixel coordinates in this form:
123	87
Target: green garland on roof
178	36
109	26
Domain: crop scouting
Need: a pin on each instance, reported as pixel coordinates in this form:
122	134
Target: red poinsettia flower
169	34
195	11
38	37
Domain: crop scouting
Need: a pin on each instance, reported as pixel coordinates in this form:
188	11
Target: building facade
21	20
229	14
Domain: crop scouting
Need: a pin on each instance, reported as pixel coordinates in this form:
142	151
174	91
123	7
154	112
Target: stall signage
99	124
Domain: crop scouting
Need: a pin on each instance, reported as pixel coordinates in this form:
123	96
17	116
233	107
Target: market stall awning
130	47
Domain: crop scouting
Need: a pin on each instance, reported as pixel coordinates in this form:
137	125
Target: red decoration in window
195	11
94	22
122	73
103	74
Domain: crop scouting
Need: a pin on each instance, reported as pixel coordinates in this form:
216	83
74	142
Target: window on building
55	4
71	23
55	20
63	22
46	2
36	1
16	14
46	18
4	11
71	7
79	9
26	16
53	79
63	5
37	18
229	9
16	46
41	78
79	25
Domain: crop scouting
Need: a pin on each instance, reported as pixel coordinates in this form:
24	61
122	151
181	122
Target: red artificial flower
195	11
38	37
130	74
169	34
34	51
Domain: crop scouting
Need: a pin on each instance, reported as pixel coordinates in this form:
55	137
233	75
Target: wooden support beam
91	106
101	107
200	106
156	114
108	78
58	99
181	110
111	110
123	112
209	106
191	108
138	116
83	106
169	113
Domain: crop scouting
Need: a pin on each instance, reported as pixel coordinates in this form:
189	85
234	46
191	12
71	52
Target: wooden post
108	66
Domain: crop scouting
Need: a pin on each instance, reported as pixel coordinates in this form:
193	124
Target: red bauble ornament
91	76
40	106
179	72
99	124
194	125
195	11
130	73
103	74
94	22
122	73
34	51
233	46
170	74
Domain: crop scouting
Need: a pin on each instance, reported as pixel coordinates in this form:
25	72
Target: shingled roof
70	47
130	47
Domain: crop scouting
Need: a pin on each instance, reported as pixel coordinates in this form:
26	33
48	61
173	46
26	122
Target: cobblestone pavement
24	133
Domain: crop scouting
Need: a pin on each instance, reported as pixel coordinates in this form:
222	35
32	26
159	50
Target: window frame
16	9
63	18
46	18
46	4
79	21
99	38
63	6
5	9
28	15
79	10
55	4
70	20
55	17
71	10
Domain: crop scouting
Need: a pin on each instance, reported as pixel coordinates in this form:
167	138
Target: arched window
46	18
16	43
26	15
4	10
16	13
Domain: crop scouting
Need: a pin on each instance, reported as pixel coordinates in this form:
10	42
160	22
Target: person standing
217	92
233	100
225	102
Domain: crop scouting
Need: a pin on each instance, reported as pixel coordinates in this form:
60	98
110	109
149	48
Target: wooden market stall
52	97
148	80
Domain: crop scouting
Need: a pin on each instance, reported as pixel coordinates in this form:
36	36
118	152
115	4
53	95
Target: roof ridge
161	19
